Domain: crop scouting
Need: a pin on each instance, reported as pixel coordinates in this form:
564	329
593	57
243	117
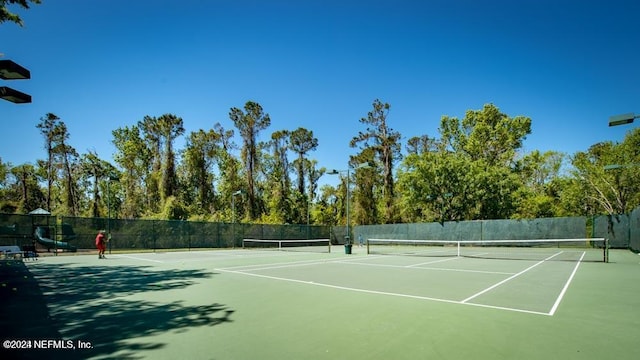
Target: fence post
153	227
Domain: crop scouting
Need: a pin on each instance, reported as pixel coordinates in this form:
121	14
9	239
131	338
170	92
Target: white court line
510	278
381	292
430	268
212	256
338	261
138	258
354	261
208	256
257	267
566	286
433	262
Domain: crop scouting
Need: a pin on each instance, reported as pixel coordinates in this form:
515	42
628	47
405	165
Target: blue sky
100	65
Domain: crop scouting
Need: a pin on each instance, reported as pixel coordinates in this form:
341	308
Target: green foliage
302	141
468	174
199	158
6	15
249	123
486	134
608	174
475	170
174	209
25	194
380	143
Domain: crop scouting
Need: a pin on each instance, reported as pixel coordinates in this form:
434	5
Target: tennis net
307	245
588	249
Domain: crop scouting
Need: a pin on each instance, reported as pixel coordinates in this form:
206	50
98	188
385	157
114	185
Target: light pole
618	166
309	213
622	119
309	201
233	215
9	70
335	172
110	178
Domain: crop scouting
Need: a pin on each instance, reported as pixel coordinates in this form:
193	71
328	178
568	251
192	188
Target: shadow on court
106	306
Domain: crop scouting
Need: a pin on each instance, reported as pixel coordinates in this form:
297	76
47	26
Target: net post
368	246
458	245
606	250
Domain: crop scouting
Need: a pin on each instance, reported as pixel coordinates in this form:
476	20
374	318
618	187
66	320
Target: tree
134	157
96	171
438	186
230	169
486	134
489	140
6	15
494	189
19	188
5	170
541	184
199	158
366	182
60	158
302	141
31	195
386	144
421	144
608	174
47	127
327	207
249	123
278	180
160	169
170	127
68	162
152	135
313	177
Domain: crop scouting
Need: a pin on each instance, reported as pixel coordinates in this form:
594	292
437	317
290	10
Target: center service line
509	278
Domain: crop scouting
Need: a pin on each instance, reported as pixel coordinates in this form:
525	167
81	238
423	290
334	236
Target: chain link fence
623	231
79	233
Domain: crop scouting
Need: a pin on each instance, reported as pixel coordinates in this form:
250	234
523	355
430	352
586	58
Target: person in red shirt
101	244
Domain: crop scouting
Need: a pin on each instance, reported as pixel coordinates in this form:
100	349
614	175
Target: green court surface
250	304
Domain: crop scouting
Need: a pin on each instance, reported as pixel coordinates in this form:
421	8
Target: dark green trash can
347	248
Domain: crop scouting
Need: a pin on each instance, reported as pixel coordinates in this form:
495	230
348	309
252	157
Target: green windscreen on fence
543	228
137	234
634	230
622	231
17	229
613	227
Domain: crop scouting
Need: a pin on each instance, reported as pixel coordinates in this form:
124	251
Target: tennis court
266	304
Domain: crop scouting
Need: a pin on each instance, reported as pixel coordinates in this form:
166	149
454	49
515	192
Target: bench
10	251
14	252
29	252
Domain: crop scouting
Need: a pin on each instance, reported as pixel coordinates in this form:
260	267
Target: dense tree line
473	169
